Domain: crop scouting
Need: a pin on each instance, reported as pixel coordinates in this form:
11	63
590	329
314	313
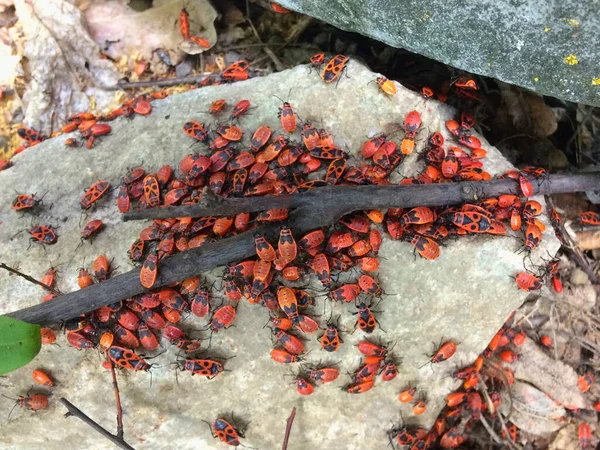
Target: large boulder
539	45
465	295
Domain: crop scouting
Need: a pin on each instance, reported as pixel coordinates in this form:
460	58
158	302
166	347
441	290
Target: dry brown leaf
588	240
67	73
533	411
566	439
555	378
515	105
129	32
542	117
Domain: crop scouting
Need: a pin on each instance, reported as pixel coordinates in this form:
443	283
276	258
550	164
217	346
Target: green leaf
19	343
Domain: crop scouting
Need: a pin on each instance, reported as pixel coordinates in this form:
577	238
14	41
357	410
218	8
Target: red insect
196	130
184	24
533	236
91	229
290	342
334	68
288	118
287	301
427	247
217	106
346	293
370	349
417	216
48	336
359	388
41	377
317	60
325	375
128	359
525	185
237	71
389	371
94	193
283	356
101	268
264	250
585	381
147	337
24	202
224	431
303	387
369	285
43	234
230	132
371	147
240	108
149	270
320	265
31	402
445	351
201	42
588	218
585	435
365	319
222	318
310	137
204	367
260	138
330	340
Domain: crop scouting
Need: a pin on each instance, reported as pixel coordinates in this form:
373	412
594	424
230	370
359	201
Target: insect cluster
297	159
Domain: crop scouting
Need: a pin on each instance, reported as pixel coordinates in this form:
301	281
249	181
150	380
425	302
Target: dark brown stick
160	83
118	401
288	429
354	198
321	213
76	412
28	278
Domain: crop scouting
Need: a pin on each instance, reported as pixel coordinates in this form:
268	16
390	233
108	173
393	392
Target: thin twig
118	401
159	83
353	198
288	429
29	278
76	412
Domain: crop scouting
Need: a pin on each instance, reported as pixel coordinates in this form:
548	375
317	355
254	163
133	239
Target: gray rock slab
465	295
523	43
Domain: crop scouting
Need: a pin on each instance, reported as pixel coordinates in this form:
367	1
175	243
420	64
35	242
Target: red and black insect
224	431
149	270
222	318
25	202
444	352
128	359
365	319
290	342
240	108
330	339
196	130
43	234
91	229
334	68
93	194
324	375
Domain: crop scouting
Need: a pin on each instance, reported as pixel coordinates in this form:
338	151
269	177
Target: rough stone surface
524	42
465	295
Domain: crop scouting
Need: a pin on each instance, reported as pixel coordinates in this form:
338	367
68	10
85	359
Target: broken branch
354	198
323	210
76	412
